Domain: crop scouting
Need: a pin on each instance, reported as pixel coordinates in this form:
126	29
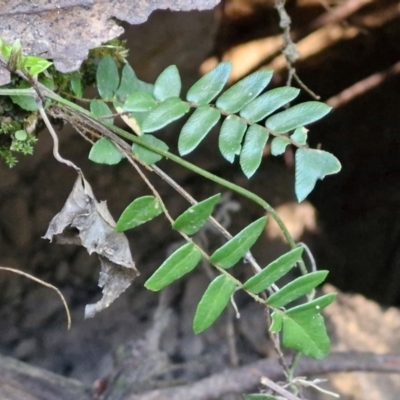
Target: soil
351	223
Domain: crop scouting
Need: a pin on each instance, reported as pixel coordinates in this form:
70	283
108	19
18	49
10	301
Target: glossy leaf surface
296	116
138	212
196	128
253	149
214	301
267	103
168	111
168	84
210	85
196	216
237	247
105	152
311	165
174	267
297	288
243	92
231	136
273	271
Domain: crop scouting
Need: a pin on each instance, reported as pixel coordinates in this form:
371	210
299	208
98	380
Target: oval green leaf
311	165
101	109
243	92
300	135
296	116
253	149
76	85
273	271
278	145
210	85
168	84
168	111
268	102
196	216
105	152
297	288
146	155
107	78
174	267
316	305
140	102
21	135
305	332
36	65
138	212
213	302
196	128
231	136
237	247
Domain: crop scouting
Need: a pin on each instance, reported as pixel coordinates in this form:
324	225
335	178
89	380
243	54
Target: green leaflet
278	145
105	152
138	212
297	288
296	116
196	216
101	109
130	84
300	135
196	128
210	85
168	84
35	65
311	165
213	302
76	84
244	91
237	247
273	271
21	135
267	103
230	137
168	111
174	267
107	78
304	328
140	102
148	156
253	149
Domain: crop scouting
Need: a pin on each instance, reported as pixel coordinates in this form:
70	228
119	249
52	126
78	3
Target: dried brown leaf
85	221
65	30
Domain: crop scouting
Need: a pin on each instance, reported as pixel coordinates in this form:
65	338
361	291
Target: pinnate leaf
146	155
131	83
140	102
296	116
168	111
274	271
311	165
278	145
237	247
138	212
101	109
196	216
267	103
213	302
107	77
253	149
196	128
105	152
300	135
230	137
316	305
297	288
210	85
243	92
174	267
168	84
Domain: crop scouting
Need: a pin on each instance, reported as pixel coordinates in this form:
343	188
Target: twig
16	271
244	379
278	389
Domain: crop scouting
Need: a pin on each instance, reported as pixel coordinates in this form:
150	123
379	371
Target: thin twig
16	271
278	389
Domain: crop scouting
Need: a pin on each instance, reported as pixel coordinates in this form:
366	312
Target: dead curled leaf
86	222
65	30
